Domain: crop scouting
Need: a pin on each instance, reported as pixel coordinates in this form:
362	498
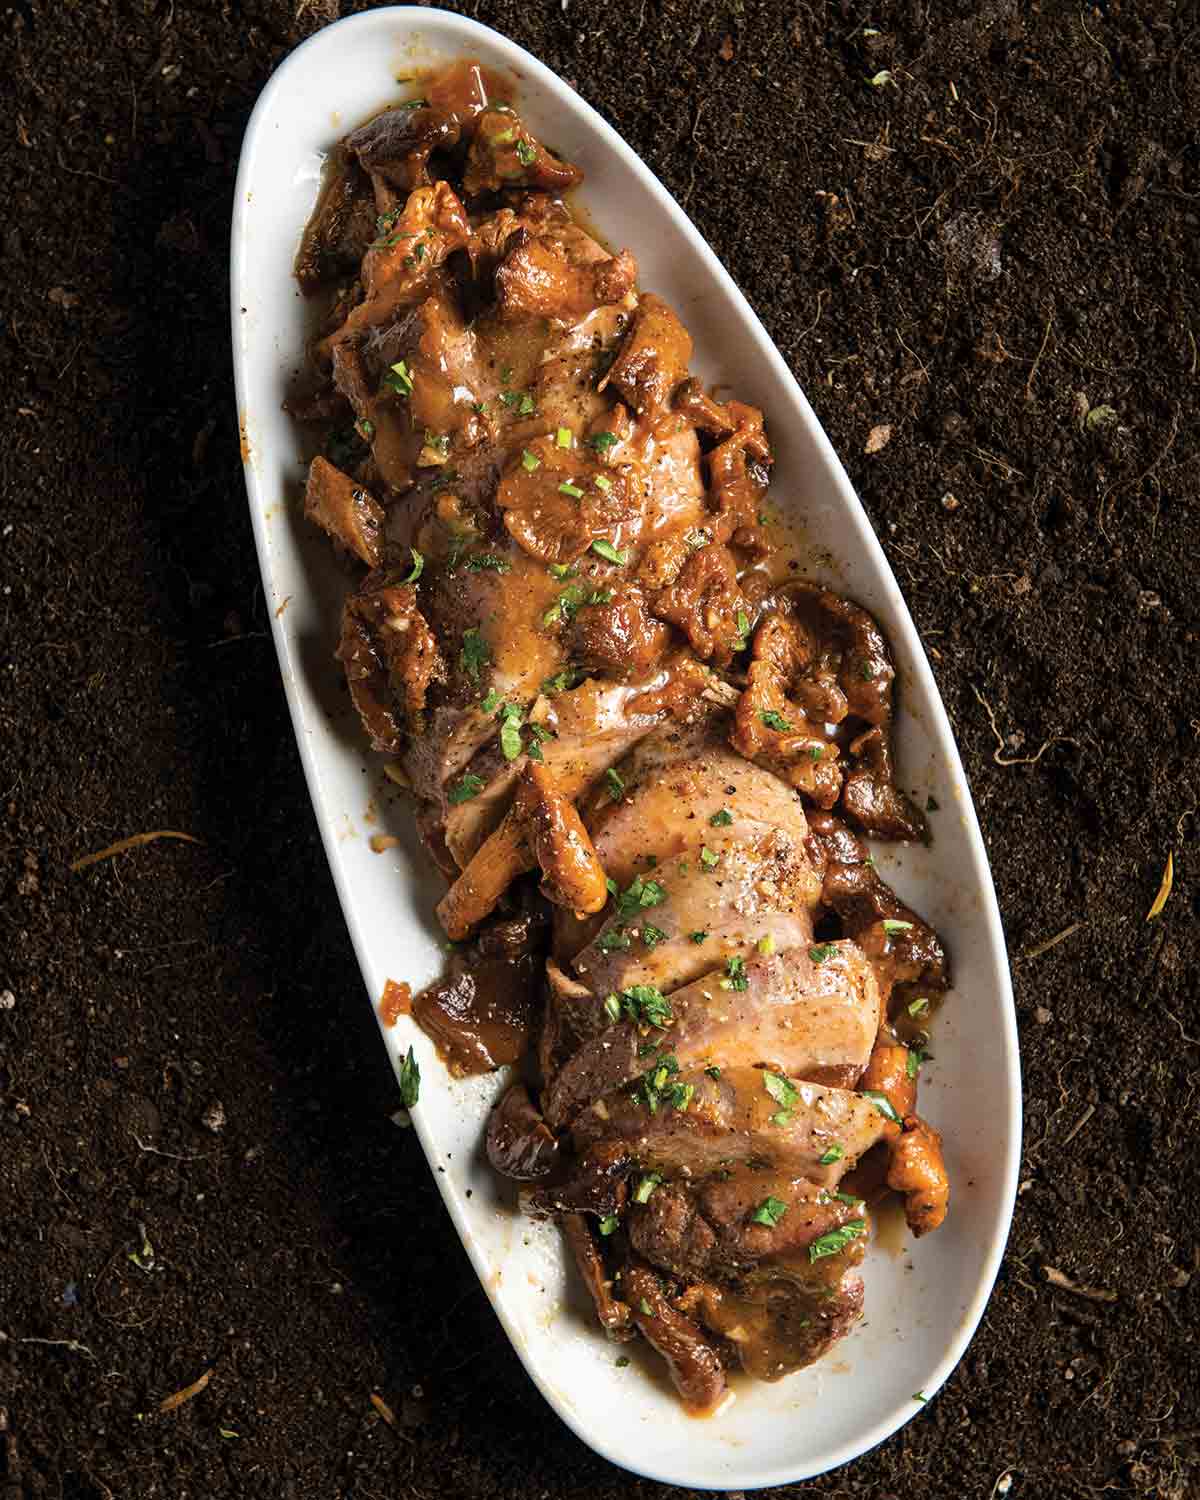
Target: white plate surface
923	1299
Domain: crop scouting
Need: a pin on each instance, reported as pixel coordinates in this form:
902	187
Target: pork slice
801	1017
732	1119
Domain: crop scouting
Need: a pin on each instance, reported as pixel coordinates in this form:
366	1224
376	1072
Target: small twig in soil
1164	889
1038	360
1079	1124
1191	1040
1064	1283
1141	479
172	1402
1015	760
1059	937
72	1344
820	296
172	1155
54	1178
135	841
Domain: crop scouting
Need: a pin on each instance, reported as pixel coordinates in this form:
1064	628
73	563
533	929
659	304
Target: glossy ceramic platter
923	1300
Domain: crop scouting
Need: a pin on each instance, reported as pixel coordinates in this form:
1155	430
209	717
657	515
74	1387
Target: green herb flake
851	1199
708	858
867	672
836	1239
563	437
474	655
721	819
526	154
920	1396
781	1089
470	786
567	488
418	564
399	379
646	1186
616	787
603	441
822	952
615	940
562	571
916	1056
609	553
490	701
525	406
883	1104
835	1153
622	1361
891	925
365	429
409	1076
816	752
488	562
511	717
648	1006
714	1073
608	1225
735	975
652	936
638	895
562	681
603	483
698	937
530	461
766	945
932	804
644	1307
612	1007
769	1212
918	1007
774	720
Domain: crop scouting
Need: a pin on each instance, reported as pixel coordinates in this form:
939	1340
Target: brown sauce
479	1016
396	1001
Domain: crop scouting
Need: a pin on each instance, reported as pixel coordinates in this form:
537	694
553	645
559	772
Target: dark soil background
991	247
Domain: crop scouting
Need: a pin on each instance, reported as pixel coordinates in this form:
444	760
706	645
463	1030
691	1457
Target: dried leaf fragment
135	841
1064	1283
171	1403
878	437
384	1410
1164	890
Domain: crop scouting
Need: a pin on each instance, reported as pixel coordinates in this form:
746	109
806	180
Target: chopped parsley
437	442
918	1007
774	720
822	952
836	1239
470	786
698	937
714	1072
567	488
851	1199
867	672
646	1186
511	716
538	735
616	787
530	461
743	625
491	701
563	571
781	1089
409	1076
561	681
603	441
916	1056
526	154
735	975
769	1212
883	1104
519	401
835	1153
707	858
644	1307
365	429
615	940
488	562
891	925
608	552
622	1360
474	654
655	1086
816	752
600	596
721	819
608	1224
652	936
647	1006
418	563
637	896
399	379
